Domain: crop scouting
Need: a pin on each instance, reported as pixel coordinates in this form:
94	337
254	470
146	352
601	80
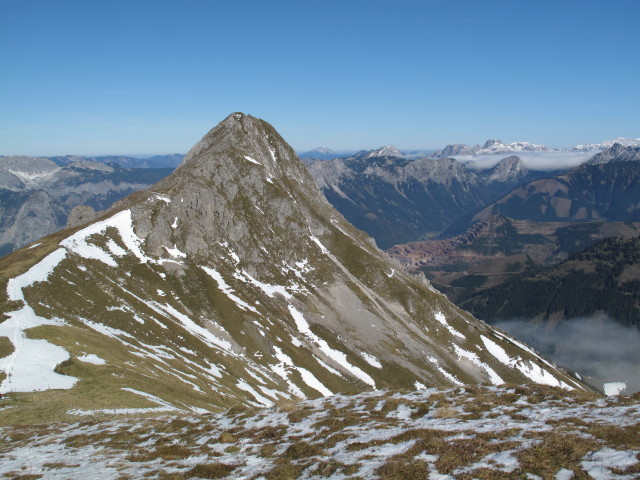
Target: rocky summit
231	281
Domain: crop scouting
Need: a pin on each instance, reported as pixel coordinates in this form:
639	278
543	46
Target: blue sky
153	76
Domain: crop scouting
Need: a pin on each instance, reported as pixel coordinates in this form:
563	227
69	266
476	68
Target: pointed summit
388	151
233	281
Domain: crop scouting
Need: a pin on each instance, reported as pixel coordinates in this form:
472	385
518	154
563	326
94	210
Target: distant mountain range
397	200
490	147
536	225
156	161
37	195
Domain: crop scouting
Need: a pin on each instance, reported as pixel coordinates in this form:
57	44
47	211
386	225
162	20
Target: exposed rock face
80	215
236	280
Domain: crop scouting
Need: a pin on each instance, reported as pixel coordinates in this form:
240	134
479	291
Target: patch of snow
473	358
92	358
175	223
327	367
252	160
614	388
339	357
528	368
242	385
227	290
163	198
273	154
30	367
35	245
122	221
446	374
175	252
564	474
161	293
439	316
599	464
371	360
419	386
269	290
195	329
319	244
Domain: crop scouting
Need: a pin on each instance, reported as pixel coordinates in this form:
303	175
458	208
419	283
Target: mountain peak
387	151
233	281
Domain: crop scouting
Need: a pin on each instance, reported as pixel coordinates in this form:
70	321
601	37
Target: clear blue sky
153	76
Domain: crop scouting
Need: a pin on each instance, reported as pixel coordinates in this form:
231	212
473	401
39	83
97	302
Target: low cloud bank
545	161
596	346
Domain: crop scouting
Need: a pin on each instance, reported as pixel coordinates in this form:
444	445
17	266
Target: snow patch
175	252
473	358
371	360
30	367
252	160
339	357
527	368
614	388
92	358
242	385
227	290
439	316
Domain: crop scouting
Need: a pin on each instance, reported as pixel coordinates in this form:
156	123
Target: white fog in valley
597	346
545	161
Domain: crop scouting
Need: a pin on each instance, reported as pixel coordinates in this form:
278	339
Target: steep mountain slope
602	278
397	200
37	196
232	281
606	188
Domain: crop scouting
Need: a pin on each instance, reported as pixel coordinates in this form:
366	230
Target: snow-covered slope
233	281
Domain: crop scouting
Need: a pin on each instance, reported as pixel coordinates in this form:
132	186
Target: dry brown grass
211	470
556	451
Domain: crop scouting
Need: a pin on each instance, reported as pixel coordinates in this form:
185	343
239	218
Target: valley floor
474	432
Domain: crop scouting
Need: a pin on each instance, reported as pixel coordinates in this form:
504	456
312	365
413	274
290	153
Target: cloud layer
596	346
545	161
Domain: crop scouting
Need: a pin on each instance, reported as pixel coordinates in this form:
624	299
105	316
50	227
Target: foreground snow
521	432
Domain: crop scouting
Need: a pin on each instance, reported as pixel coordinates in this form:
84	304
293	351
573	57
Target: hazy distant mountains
37	195
490	147
156	161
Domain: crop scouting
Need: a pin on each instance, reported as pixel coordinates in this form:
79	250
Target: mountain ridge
235	277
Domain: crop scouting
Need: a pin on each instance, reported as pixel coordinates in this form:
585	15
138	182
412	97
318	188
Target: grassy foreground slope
465	433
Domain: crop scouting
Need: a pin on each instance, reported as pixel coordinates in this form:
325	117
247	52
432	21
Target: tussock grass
555	451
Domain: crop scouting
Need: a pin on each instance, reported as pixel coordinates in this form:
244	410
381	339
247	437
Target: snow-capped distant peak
496	146
625	142
388	151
